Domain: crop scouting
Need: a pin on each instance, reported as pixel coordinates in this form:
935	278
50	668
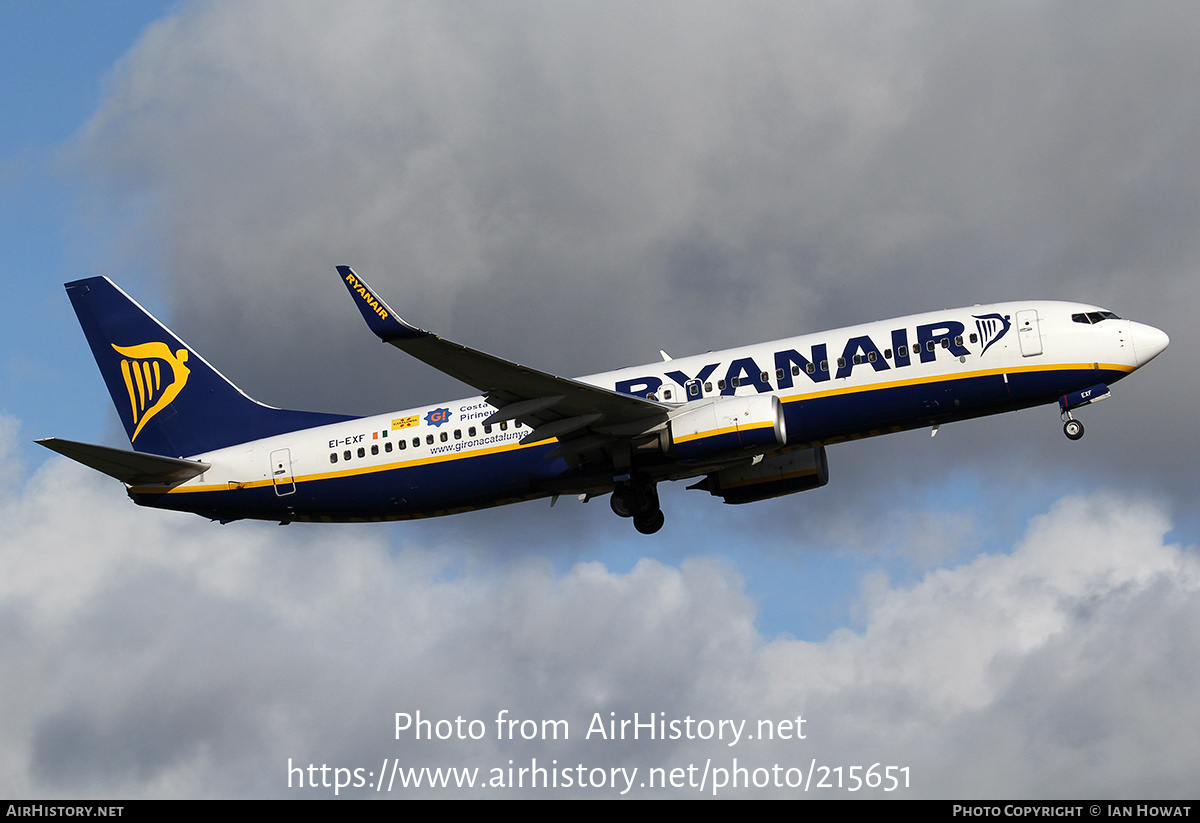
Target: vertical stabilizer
170	400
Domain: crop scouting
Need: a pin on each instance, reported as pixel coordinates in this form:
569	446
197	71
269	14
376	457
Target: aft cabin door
281	472
1029	333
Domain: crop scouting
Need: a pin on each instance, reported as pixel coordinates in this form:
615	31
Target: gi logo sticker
437	417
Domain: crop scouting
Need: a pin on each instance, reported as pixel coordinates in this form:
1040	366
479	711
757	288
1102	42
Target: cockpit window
1094	317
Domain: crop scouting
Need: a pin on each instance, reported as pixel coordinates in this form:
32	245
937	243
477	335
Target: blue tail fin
171	401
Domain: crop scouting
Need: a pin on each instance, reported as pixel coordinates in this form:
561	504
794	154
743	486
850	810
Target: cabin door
1029	333
281	472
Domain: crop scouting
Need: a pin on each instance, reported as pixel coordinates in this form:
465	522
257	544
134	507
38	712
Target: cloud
161	655
577	187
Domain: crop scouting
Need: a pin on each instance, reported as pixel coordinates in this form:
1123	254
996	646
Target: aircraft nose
1148	342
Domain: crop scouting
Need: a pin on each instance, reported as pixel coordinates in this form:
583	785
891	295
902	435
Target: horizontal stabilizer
130	467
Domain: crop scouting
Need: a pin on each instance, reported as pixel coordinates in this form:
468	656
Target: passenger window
429	440
841	362
694	389
387	447
871	356
824	365
930	346
958	340
458	434
666	394
471	432
902	351
779	373
945	342
346	454
720	385
416	442
374	449
333	457
362	452
735	382
403	444
887	354
766	378
858	359
974	337
487	428
708	386
444	437
504	426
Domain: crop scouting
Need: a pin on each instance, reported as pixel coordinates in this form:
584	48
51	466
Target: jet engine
700	431
773	477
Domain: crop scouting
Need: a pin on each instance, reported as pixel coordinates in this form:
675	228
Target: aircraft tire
1073	429
621	503
649	522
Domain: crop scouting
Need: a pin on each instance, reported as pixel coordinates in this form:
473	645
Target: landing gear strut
1072	428
639	500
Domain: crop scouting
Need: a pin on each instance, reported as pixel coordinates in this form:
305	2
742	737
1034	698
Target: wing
583	417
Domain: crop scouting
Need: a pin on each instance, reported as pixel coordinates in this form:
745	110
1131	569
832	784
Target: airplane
747	424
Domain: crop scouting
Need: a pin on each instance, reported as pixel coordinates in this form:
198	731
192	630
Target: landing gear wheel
1073	429
649	522
621	503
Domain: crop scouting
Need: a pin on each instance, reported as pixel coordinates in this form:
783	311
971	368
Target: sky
994	612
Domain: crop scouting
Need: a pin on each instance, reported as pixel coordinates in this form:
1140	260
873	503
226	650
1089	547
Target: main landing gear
638	500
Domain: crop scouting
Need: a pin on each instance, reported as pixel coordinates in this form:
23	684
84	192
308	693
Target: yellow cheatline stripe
710	433
950	378
422	461
726	430
441	458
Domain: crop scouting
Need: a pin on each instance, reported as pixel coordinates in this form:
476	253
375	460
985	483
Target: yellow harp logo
150	390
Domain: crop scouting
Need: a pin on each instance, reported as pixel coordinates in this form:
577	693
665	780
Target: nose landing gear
1072	428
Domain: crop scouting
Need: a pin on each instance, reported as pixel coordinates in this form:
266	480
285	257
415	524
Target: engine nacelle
703	430
774	477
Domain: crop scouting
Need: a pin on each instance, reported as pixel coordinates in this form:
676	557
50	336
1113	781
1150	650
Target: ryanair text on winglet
366	296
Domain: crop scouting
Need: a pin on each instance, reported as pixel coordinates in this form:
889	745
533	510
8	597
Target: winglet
386	324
